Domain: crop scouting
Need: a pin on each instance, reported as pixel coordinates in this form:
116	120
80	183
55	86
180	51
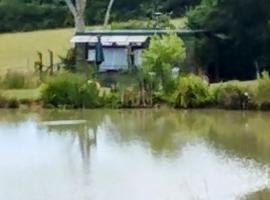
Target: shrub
233	96
162	53
192	92
71	90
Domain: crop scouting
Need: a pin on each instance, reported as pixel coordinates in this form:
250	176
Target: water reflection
151	154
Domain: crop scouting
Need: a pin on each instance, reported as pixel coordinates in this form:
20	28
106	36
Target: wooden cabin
121	48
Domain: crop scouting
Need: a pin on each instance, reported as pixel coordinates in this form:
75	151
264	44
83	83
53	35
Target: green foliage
263	91
239	40
192	92
70	90
25	15
19	16
162	54
232	95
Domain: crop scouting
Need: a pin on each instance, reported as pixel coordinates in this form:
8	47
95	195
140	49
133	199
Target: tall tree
77	8
243	42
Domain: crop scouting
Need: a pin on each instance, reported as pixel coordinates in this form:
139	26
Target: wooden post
40	61
51	62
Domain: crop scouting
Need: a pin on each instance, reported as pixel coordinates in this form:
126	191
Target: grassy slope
18	50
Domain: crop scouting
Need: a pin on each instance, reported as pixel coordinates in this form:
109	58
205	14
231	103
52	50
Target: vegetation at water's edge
154	84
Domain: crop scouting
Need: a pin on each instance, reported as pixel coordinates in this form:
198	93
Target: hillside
18	50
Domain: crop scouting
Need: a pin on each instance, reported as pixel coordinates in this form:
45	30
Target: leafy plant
71	90
164	52
192	92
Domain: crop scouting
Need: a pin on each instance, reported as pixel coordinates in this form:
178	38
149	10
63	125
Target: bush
192	92
162	54
233	96
70	90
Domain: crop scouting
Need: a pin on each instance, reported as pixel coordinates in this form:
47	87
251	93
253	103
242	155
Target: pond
134	155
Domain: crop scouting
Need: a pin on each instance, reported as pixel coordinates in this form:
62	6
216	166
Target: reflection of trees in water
84	133
163	131
15	117
261	195
244	133
166	131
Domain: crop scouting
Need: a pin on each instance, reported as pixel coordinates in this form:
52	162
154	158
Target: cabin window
114	59
92	55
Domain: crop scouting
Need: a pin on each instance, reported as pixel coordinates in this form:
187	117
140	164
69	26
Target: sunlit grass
18	51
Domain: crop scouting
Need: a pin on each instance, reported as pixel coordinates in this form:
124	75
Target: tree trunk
79	23
108	13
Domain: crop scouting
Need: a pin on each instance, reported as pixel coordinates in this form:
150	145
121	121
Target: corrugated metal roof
121	40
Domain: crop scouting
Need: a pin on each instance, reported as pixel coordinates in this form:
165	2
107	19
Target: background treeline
241	47
25	15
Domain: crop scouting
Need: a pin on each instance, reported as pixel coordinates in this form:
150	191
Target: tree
246	44
164	52
108	13
77	8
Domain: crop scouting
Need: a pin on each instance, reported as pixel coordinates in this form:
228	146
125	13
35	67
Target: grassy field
18	51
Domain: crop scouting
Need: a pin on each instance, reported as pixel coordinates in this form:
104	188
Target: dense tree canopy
23	15
243	41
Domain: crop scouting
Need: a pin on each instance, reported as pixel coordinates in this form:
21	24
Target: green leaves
163	52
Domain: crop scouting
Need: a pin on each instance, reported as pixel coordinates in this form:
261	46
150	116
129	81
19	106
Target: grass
33	94
18	51
252	84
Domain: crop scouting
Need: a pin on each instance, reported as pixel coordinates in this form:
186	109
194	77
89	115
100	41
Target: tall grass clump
192	92
71	91
17	80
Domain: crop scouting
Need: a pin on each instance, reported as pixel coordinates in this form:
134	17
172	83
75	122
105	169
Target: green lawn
252	84
18	50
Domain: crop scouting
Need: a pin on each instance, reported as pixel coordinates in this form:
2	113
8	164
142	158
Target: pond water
134	155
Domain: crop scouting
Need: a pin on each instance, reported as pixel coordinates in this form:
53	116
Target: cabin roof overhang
126	37
142	32
114	40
